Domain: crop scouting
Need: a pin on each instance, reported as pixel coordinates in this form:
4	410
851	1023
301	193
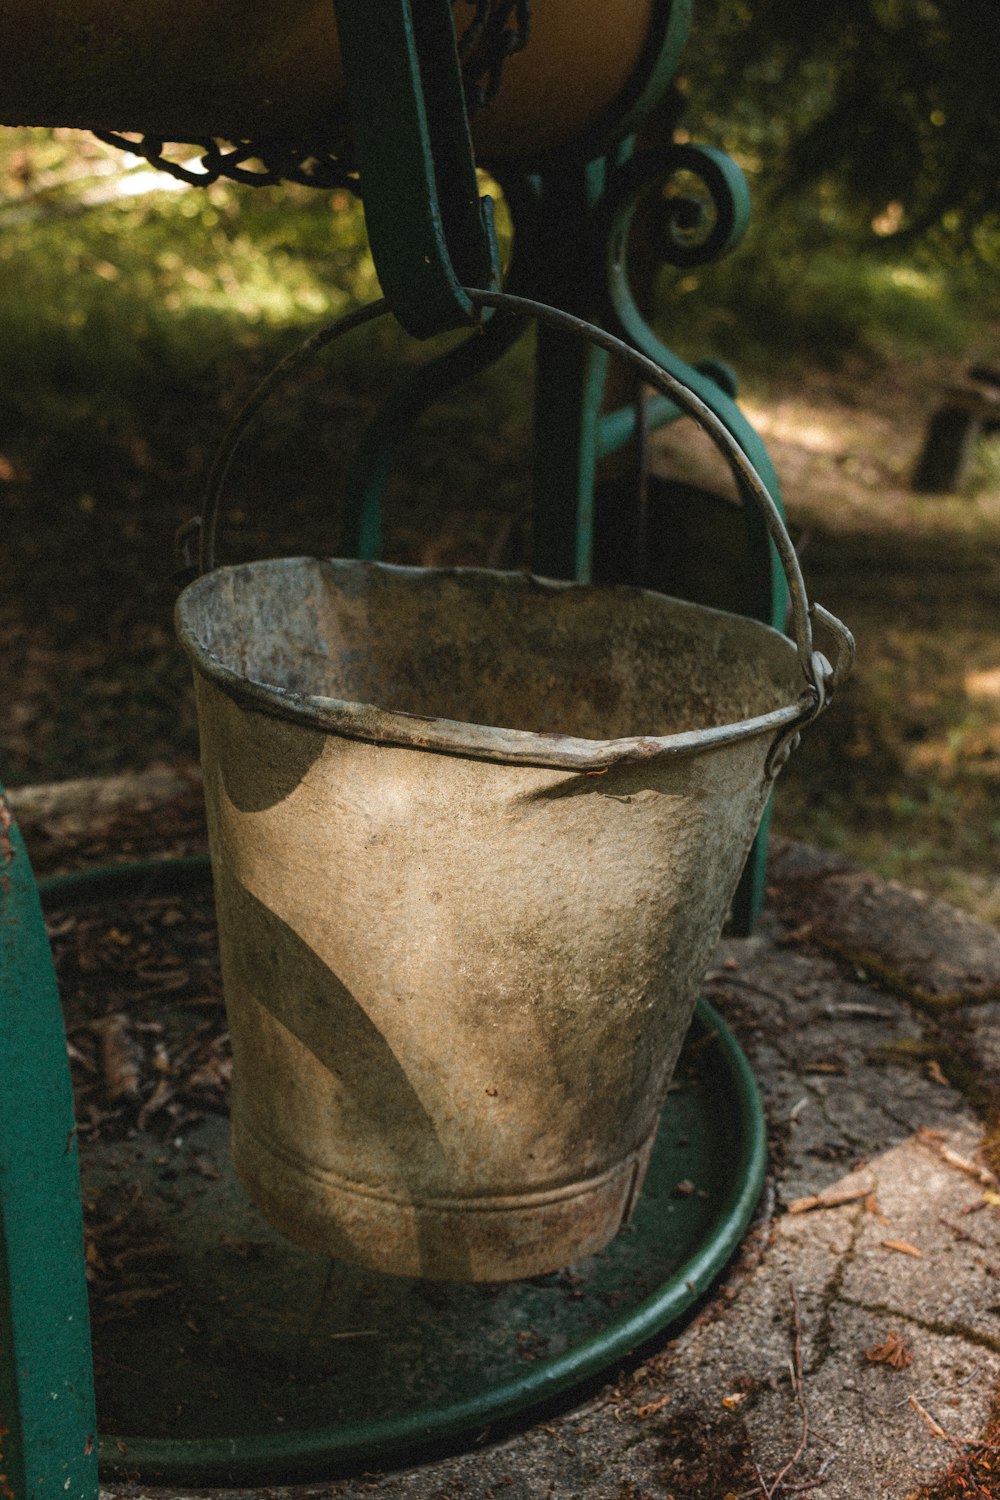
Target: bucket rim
397	727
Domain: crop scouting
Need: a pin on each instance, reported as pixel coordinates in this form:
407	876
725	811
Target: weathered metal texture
474	836
48	1434
247	69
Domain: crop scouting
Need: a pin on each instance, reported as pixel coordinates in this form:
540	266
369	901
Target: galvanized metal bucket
474	836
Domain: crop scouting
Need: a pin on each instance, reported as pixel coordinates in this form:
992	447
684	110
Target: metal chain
279	161
497	30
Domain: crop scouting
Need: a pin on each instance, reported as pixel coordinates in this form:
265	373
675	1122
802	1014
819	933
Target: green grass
788	297
121	309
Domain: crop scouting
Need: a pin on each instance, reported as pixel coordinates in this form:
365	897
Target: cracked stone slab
840	1063
982	1024
916	943
854	1108
953	1284
852	1292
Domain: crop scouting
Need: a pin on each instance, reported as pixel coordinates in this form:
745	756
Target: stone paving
854	1345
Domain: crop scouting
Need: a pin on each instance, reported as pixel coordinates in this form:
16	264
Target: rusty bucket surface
474	836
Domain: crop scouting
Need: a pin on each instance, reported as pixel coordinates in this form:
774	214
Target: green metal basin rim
312	1453
523	747
284	1457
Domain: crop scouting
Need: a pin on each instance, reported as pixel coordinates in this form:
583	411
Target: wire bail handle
820	675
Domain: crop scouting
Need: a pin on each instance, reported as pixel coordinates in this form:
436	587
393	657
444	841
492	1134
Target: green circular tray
268	1363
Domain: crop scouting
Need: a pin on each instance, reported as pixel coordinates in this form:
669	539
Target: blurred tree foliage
888	111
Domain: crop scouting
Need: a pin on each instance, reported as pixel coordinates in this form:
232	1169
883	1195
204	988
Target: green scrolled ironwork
691	231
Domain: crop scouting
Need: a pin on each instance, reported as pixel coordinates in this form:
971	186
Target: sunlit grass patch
904	773
108	295
790	295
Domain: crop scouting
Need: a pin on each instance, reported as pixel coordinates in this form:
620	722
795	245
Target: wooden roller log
252	69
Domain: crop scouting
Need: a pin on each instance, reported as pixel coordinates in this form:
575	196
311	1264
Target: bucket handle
821	677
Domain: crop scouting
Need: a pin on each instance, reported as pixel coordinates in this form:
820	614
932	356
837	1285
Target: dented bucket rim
368	722
396	727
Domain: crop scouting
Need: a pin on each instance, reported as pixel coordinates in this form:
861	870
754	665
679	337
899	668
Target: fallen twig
934	1427
800	1394
831	1198
962	1234
765	1491
968	1450
933	1140
902	1247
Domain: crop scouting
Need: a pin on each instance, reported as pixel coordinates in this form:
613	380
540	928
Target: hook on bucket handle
821	677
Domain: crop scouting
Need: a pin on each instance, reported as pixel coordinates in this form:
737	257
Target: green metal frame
48	1426
375	459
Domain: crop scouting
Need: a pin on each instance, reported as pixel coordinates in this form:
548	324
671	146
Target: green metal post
569	374
568	390
372	465
48	1433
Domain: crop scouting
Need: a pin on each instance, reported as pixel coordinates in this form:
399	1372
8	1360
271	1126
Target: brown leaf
892	1351
213	1074
204	1166
902	1247
652	1407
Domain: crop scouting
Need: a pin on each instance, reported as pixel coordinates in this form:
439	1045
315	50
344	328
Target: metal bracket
429	231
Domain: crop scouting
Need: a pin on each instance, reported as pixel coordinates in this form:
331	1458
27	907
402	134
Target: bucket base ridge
471	1238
